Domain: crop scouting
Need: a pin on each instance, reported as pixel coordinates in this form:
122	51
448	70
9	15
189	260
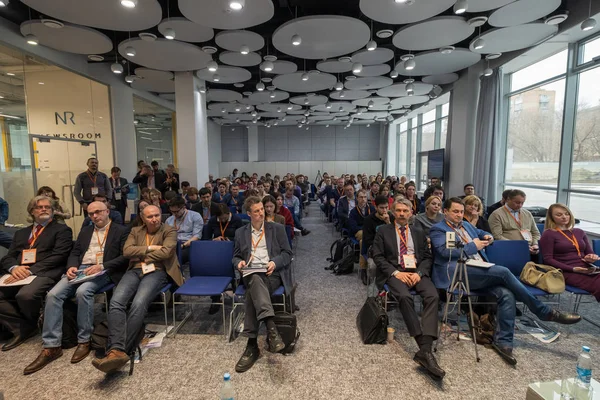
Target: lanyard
255	245
149	242
223	229
340	192
367	209
513	217
92	179
182	221
234	200
462	238
403	238
101	243
573	241
35	236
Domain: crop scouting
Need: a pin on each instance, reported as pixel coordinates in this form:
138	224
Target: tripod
460	285
318	177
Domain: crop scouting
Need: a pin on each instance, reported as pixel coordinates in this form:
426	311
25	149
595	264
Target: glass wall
154	132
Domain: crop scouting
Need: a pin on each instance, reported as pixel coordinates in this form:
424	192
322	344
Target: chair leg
223	307
164	298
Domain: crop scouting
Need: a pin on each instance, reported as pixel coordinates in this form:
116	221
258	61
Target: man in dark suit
150	179
120	189
206	207
114	215
40	250
499	204
404	261
333	195
262	255
98	248
345	204
222	225
171	179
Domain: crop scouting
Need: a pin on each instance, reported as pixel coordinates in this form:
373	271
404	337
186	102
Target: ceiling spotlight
272	95
276	123
130	51
588	24
169	33
296	40
223	110
254	121
335	118
341	109
342	94
279	109
327	126
248	107
290	107
479	43
371	104
254	113
487	72
305	76
339	86
267	66
129	3
129	78
32	40
389	107
368	125
357	68
306	101
394	74
283	119
372	45
328	105
307	128
260	86
212	66
216	78
299	125
461	6
238	108
236	5
409	64
116	68
244	50
306	113
3	3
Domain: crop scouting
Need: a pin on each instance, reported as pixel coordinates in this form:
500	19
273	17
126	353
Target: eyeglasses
99	212
43	207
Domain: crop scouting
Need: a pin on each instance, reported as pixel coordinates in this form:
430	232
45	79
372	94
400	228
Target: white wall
214	148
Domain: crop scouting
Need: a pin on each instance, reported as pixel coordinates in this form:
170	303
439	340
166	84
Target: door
57	162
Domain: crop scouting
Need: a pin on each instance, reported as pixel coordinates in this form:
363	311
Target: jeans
122	326
53	312
508	290
297	223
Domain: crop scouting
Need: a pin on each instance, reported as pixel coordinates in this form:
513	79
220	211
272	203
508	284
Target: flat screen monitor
435	164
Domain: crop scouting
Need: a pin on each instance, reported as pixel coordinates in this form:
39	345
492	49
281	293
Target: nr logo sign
66	116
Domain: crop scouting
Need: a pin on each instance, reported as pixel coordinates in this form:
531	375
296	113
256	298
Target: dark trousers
20	305
259	288
429	319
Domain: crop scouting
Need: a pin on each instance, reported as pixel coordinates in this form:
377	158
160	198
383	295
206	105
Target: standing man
156	168
150	249
90	183
187	223
171	179
206	207
513	222
42	250
345	204
403	259
98	248
120	189
262	255
150	179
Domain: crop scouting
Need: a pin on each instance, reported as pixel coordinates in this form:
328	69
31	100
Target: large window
154	132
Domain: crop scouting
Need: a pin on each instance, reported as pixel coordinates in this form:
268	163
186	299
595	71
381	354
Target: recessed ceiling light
32	40
238	85
95	57
50	23
477	21
209	49
245	50
130	51
345	59
270	58
556	19
296	40
493	56
169	33
147	36
236	5
41	83
129	3
384	33
447	49
10	74
461	6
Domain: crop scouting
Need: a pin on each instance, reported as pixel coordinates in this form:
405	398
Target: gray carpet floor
330	361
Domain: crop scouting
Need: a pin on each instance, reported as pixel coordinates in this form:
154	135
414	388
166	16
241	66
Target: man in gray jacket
262	254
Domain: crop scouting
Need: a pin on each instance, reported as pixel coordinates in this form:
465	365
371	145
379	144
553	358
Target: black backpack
342	257
287	326
337	250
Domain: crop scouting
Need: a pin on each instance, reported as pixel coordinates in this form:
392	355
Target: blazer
135	249
343	207
213	209
174	186
443	270
370	226
122	188
217	198
333	193
214	228
114	262
356	220
159	181
52	250
385	252
278	247
236	202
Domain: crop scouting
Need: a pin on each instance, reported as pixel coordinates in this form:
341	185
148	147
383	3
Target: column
390	160
252	143
192	130
121	101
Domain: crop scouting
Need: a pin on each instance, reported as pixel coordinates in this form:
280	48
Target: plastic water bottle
227	388
584	368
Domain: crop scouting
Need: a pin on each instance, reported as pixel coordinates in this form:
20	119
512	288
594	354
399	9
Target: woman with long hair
60	210
474	213
271	215
411	195
431	216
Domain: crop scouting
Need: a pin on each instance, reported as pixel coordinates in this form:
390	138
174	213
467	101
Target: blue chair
206	233
540	228
211	273
162	294
233	209
245	217
386	296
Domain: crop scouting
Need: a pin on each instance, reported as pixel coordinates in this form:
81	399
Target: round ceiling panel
166	55
217	14
238	59
223	95
376	101
273	107
334	66
374	70
294	83
522	12
409	101
433	33
441	79
309	100
396	13
153	73
476	6
226	75
234	40
378	56
186	30
283	67
265	96
346	106
349	95
435	63
154	85
371	83
399	89
70	38
500	40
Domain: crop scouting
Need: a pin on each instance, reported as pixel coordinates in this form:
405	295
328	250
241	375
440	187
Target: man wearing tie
404	262
41	250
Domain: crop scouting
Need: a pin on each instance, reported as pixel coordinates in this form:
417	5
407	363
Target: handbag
544	277
372	322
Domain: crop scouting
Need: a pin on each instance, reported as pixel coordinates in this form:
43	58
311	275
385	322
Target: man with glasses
114	215
187	223
40	250
97	259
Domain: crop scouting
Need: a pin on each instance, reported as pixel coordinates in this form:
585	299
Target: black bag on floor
372	322
100	338
337	250
342	257
69	324
287	326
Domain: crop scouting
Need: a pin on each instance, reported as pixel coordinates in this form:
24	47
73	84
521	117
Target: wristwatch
420	274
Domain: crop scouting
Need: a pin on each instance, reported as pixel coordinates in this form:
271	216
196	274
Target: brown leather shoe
46	357
114	360
81	352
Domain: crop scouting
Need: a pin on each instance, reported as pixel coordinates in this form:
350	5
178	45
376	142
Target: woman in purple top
569	249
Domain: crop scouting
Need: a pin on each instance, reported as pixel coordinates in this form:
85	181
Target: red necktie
34	233
403	249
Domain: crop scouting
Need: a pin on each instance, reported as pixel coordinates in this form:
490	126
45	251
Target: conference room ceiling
421	45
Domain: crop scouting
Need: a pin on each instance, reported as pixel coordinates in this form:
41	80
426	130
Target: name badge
94	191
28	256
148	268
99	258
118	196
410	262
526	235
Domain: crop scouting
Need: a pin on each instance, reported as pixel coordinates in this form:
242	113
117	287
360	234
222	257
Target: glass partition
154	132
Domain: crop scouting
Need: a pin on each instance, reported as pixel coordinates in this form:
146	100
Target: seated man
114	215
333	195
371	223
498	280
235	198
41	250
345	204
513	222
185	185
223	224
356	220
262	255
187	223
99	247
293	204
221	194
206	207
499	204
192	198
373	193
150	249
404	261
469	190
434	190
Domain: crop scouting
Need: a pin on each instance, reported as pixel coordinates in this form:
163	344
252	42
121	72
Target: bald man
97	251
150	249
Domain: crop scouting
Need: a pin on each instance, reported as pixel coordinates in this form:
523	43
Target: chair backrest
596	247
211	258
540	228
233	209
512	254
245	217
206	233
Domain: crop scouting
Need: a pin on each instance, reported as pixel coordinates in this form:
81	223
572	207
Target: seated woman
569	249
411	195
431	216
157	200
270	205
284	212
474	213
385	191
60	210
222	225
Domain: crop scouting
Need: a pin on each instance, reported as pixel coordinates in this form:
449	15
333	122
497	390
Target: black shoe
18	340
427	361
251	354
275	341
566	318
304	232
363	276
214	308
506	353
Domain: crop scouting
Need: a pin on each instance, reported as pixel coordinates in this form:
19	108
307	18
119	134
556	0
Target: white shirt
89	258
260	255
